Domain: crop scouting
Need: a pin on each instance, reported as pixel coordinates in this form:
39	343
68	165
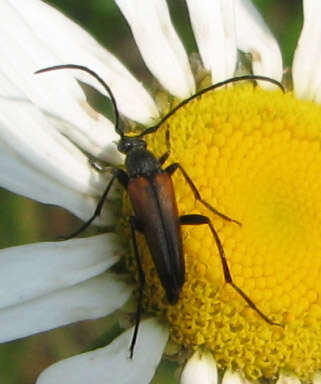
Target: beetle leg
135	226
97	166
173	167
199	220
165	156
121	176
118	174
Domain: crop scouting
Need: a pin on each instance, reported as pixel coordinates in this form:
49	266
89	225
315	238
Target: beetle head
126	144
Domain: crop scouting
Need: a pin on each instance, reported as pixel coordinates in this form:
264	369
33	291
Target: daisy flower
253	152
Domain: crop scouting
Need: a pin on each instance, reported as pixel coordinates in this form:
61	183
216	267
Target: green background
23	221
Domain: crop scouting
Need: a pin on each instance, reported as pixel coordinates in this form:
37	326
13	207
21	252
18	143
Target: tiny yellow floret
255	155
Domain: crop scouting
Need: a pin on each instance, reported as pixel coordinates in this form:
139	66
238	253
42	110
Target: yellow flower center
255	156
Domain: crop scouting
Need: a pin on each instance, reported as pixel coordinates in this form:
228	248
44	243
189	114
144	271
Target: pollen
255	156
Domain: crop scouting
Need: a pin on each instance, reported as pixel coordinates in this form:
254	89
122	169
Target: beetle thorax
141	162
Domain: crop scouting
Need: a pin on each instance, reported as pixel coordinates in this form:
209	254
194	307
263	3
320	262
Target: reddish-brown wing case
154	204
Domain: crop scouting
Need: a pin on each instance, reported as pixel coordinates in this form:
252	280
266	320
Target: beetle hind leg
199	220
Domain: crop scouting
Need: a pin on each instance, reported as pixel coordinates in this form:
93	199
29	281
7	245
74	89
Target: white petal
19	177
105	138
58	93
31	271
40	163
200	368
52	33
307	58
317	378
52	170
112	364
213	26
91	299
231	377
159	44
287	378
33	139
254	37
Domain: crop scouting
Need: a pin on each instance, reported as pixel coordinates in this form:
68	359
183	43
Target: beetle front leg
135	226
122	177
165	156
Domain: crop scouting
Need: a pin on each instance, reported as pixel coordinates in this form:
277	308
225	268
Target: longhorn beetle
152	197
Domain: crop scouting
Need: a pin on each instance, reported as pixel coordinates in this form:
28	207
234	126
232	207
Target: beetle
152	195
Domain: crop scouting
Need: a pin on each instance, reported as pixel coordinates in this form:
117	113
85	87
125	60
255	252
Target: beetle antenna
210	88
99	79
